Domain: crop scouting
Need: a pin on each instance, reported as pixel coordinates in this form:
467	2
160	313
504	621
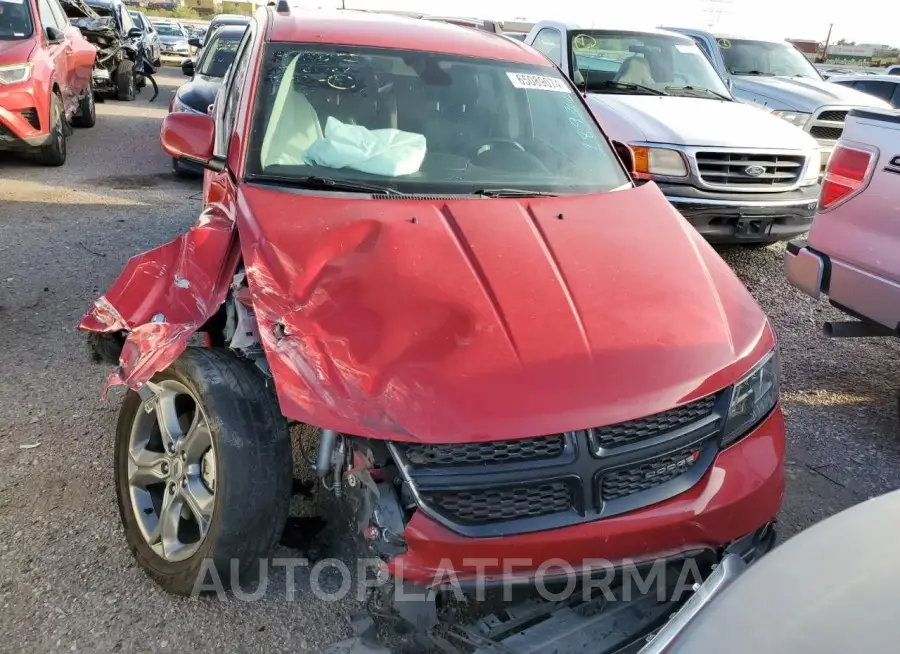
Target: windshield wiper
752	72
697	89
613	84
326	183
512	193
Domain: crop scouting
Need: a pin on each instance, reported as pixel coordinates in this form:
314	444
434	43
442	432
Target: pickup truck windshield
642	63
15	20
423	123
745	57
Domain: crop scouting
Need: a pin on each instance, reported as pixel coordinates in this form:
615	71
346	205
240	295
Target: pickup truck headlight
813	167
15	73
658	161
753	397
797	118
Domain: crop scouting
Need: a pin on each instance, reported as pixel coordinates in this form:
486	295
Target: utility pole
827	42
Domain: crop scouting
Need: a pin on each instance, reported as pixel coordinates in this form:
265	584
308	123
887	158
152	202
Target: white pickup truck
853	251
777	77
737	174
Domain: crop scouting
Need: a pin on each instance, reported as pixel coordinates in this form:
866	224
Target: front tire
54	152
203	471
125	83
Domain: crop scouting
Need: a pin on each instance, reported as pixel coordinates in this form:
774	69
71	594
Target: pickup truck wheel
86	116
203	471
125	85
53	152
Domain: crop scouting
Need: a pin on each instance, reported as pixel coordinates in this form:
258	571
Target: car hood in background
479	319
172	40
16	52
802	93
831	588
200	92
694	121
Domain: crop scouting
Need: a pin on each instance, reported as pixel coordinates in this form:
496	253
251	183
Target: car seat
635	70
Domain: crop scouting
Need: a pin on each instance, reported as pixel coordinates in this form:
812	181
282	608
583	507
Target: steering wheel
487	146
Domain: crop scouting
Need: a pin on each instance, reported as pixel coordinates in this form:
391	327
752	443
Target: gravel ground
67	581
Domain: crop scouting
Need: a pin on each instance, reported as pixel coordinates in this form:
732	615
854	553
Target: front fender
163	296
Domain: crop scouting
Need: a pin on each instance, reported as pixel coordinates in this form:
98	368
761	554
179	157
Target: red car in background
417	241
45	79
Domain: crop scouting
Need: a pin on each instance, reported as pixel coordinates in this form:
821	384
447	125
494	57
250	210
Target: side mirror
187	67
135	33
190	137
55	35
194	42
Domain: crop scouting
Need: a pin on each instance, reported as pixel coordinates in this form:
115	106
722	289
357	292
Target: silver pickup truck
853	251
774	75
737	174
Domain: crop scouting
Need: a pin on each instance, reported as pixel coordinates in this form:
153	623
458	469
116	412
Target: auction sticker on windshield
537	82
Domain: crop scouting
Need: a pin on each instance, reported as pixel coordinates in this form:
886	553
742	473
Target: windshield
424	123
744	57
169	30
634	62
15	20
138	20
219	54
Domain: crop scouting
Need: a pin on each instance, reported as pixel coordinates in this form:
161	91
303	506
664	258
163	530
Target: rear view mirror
187	67
194	42
190	137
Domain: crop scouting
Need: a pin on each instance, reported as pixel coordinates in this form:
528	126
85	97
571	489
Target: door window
549	43
883	90
47	17
228	100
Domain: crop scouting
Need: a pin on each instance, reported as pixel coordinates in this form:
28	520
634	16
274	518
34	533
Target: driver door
58	52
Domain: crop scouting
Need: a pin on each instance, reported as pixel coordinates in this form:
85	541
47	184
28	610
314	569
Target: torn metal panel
166	294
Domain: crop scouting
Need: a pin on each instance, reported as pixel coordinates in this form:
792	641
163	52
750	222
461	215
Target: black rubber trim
794	247
576	466
875	115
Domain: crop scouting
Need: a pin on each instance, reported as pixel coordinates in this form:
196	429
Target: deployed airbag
388	152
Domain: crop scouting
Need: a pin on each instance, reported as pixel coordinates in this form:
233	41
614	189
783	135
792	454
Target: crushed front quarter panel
166	294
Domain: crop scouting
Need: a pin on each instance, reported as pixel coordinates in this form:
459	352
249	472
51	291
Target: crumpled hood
200	92
16	52
694	121
802	93
466	320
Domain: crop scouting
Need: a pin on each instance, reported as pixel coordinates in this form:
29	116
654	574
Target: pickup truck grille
828	124
756	171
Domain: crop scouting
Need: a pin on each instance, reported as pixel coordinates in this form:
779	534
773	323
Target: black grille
648	474
833	116
525	449
32	117
501	505
634	431
731	169
5	132
826	133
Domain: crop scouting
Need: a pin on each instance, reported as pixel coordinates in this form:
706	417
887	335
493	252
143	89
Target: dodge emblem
754	171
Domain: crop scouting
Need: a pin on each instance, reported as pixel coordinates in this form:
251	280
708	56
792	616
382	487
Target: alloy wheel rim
171	472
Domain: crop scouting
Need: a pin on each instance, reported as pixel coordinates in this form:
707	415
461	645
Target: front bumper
745	217
863	293
21	119
740	492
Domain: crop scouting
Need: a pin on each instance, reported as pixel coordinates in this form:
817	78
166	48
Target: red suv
45	79
417	242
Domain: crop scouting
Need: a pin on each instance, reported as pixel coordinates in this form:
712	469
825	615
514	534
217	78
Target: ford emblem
754	171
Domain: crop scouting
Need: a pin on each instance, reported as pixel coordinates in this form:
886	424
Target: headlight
793	117
813	167
753	397
658	161
181	106
15	74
